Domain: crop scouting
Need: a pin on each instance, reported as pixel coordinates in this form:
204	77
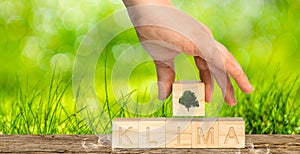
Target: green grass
36	110
48	107
273	108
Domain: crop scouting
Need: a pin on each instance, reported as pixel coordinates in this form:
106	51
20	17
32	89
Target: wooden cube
152	133
188	98
231	133
125	133
205	133
178	133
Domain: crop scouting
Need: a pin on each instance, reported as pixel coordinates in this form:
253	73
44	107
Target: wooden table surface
102	144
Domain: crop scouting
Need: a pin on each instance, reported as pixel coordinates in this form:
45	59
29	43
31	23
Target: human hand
165	31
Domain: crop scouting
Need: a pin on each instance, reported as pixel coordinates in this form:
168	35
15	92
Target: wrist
129	3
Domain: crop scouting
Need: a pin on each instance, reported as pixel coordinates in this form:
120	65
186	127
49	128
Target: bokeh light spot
239	32
7	9
122	20
90	9
270	26
44	58
85	44
44	20
287	42
16	28
116	1
117	50
31	48
262	47
72	17
82	29
60	63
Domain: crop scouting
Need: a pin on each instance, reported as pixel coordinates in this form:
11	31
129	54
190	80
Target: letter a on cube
231	133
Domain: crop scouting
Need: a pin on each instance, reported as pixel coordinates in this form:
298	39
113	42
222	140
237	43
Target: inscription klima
178	133
202	138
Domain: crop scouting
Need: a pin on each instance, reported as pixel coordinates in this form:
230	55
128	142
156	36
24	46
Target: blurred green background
39	40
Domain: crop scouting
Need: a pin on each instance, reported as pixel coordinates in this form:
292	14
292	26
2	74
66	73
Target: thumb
165	76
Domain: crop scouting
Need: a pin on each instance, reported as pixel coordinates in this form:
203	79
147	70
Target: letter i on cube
188	98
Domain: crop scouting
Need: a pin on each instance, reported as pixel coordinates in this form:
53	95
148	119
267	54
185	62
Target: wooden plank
178	133
125	133
289	144
195	88
152	133
54	144
231	133
205	133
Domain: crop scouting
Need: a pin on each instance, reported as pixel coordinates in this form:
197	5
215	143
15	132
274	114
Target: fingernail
251	87
232	103
161	91
161	97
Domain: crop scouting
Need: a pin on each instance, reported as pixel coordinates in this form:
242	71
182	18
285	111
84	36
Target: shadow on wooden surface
102	144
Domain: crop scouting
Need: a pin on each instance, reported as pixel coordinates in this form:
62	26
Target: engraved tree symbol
188	99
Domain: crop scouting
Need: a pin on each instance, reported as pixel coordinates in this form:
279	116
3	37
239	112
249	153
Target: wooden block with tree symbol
188	98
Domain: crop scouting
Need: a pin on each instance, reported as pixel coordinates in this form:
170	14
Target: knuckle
238	72
164	64
190	48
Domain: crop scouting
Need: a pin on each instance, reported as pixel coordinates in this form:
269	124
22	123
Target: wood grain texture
289	144
196	87
125	133
178	133
231	132
205	133
152	133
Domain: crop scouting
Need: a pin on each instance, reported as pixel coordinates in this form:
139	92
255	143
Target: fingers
163	55
228	93
165	76
225	84
233	68
206	77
